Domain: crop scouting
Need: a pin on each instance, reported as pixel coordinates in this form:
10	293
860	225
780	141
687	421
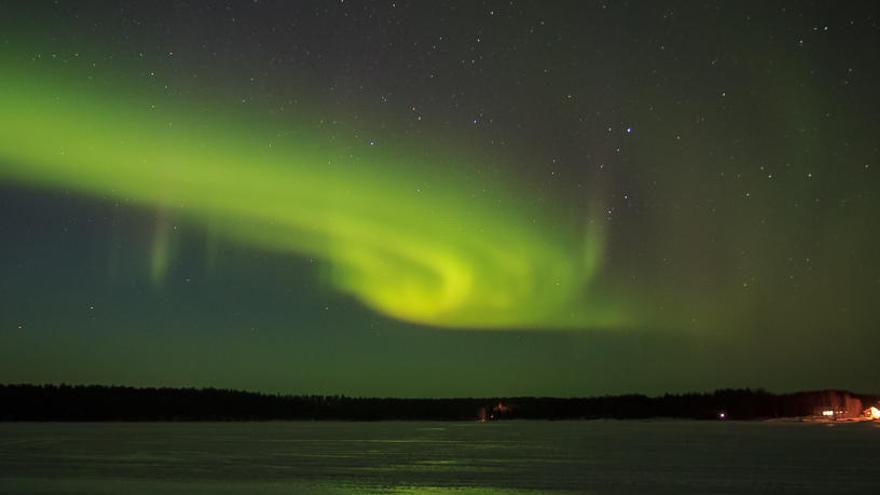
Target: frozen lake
514	457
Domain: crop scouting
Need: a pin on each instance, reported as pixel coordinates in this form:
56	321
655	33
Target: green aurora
400	237
306	197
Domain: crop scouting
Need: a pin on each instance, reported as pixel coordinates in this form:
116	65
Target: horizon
756	390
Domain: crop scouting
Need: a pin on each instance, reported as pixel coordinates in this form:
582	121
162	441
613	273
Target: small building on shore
839	406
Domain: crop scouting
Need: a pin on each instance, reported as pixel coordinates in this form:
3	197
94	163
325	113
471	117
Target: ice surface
509	458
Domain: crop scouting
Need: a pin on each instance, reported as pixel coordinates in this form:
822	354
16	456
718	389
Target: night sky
440	198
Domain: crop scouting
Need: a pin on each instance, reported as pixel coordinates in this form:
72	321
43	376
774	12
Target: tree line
117	403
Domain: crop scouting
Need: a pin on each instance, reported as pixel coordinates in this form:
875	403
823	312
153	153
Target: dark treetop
102	403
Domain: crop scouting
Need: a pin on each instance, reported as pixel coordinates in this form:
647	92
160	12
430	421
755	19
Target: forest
116	403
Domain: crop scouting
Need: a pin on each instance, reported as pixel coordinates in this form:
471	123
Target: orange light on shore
873	413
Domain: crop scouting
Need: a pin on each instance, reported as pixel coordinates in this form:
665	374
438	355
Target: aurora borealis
440	257
439	198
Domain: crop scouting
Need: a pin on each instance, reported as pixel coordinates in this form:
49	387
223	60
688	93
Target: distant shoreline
25	402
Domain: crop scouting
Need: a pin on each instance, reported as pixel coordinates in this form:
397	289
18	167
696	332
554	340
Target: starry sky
466	198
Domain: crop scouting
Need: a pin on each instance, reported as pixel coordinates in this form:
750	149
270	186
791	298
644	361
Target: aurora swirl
402	230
